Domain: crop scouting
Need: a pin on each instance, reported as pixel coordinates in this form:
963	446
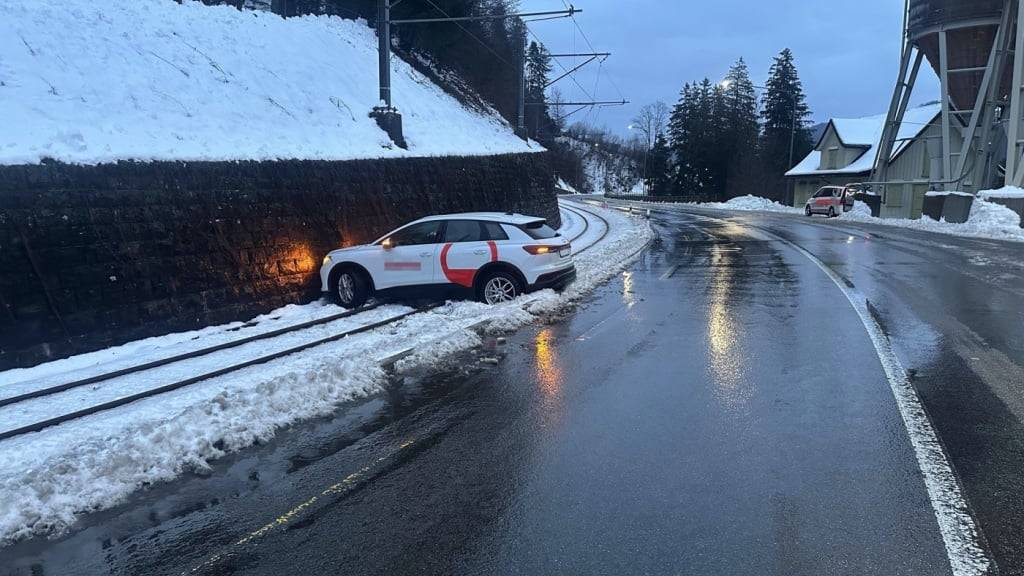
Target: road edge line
960	533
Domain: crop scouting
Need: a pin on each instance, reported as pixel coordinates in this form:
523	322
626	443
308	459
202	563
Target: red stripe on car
464	276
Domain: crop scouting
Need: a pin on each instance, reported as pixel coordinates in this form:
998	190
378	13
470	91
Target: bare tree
651	121
558	113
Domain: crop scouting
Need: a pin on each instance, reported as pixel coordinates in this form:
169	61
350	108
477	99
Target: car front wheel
499	287
807	210
351	289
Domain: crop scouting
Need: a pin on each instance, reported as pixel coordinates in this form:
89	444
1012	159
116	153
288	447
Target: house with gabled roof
846	153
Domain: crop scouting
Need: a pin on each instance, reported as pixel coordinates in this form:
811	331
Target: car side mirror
387	244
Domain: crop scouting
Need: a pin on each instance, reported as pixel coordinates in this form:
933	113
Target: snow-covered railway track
583	213
163	389
24	414
95	379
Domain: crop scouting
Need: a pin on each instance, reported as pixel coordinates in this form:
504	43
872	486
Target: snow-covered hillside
90	82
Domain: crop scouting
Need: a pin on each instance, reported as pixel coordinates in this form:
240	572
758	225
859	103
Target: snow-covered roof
866	133
91	82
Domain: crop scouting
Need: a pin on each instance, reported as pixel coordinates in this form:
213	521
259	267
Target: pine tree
740	132
680	129
785	108
538	69
659	179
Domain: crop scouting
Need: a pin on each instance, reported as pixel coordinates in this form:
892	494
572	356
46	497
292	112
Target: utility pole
385	114
384	50
388	117
521	80
280	7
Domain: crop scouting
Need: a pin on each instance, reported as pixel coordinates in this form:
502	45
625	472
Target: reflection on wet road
717	409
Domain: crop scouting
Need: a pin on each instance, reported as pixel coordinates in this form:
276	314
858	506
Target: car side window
821	193
463	231
493	231
417	234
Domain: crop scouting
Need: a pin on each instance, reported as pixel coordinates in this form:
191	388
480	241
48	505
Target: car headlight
327	260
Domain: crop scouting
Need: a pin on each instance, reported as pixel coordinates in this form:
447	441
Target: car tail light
540	250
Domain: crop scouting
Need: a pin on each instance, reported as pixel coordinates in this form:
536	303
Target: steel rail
36	427
586	224
607	227
178	358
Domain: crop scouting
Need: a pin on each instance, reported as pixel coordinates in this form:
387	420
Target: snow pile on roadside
92	82
987	220
860	210
750	203
96	462
1007	192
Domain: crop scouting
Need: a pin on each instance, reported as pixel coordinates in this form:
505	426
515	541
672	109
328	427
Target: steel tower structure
971	46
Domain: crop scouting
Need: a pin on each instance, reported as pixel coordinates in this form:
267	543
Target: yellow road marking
296	511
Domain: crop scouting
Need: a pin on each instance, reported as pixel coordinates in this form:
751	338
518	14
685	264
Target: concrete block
957	208
933	206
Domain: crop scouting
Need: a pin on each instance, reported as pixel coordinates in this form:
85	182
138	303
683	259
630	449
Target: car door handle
480	252
426	254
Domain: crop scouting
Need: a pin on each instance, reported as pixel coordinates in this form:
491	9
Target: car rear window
494	231
538	230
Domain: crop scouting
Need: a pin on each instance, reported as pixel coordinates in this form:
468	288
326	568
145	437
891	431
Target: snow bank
91	82
48	479
1007	192
750	204
860	210
987	220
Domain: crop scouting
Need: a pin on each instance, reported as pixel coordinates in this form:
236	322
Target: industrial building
975	143
847	152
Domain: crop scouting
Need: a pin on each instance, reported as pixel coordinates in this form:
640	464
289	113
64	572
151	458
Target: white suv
495	257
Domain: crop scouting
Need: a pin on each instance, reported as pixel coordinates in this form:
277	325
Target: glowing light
727	362
297	259
549	373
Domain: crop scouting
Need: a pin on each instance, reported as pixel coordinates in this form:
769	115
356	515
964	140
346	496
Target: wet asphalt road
718	409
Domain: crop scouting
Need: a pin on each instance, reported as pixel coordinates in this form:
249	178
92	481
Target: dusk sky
847	52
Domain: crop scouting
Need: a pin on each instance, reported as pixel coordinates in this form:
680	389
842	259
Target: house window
833	158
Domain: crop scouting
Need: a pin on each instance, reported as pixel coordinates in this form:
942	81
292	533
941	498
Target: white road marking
668	274
960	533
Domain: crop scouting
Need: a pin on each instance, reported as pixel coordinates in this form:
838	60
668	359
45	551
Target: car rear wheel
351	289
498	287
831	212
